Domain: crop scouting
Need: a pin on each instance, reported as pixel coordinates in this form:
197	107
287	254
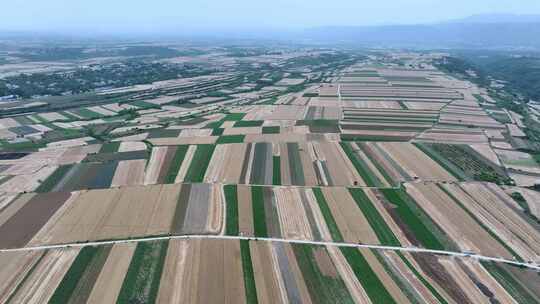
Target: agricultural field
299	176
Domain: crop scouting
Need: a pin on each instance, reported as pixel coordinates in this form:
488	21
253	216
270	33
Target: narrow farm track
224	237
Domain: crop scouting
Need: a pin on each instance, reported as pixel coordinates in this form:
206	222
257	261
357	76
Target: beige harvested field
455	221
128	146
242	130
173	141
41	284
354	287
432	106
385	278
486	151
351	221
266	274
531	197
453	136
110	280
415	162
129	173
245	213
26	182
185	164
293	220
14	266
154	165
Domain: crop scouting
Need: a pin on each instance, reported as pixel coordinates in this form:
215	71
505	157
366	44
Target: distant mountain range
482	31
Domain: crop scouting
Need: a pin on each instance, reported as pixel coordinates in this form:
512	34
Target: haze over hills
485	31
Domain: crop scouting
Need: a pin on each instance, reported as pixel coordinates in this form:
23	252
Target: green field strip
143	104
361	167
199	163
420	277
402	283
378	165
234	116
271	130
23	120
327	214
39	118
510	284
231	139
322	288
68	115
176	163
412	217
259	216
248	123
78	281
249	277
276	170
110	147
141	283
443	162
51	181
86	113
373	286
217	131
214	124
376	221
231	199
295	164
479	222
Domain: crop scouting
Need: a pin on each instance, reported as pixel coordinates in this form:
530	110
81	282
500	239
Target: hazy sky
151	15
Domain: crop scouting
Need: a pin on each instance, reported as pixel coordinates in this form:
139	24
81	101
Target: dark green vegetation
320	125
53	179
217	131
276	171
176	163
259	217
248	123
77	283
323	288
381	229
86	79
413	217
465	163
295	164
110	147
231	198
375	290
249	277
370	179
199	163
234	116
512	285
270	130
142	279
327	214
230	139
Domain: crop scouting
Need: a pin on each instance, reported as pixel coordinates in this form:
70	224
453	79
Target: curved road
322	243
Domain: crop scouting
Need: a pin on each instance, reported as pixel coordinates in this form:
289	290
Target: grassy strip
381	229
68	115
176	163
249	277
270	130
54	178
65	289
248	123
327	214
231	198
86	113
259	217
373	286
403	284
199	164
455	171
479	222
322	288
217	131
142	279
377	165
276	171
231	139
214	124
360	166
234	116
422	279
509	283
110	147
412	218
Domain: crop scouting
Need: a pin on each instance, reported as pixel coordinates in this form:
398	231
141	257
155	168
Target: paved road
224	237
